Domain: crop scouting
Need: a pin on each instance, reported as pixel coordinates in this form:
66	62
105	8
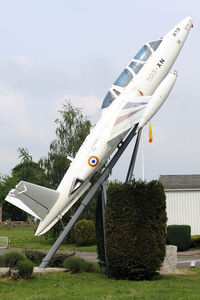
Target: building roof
180	181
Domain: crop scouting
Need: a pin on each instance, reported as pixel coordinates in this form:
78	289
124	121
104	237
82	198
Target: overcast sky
55	50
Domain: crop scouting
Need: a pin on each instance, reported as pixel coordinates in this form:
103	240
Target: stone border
4	271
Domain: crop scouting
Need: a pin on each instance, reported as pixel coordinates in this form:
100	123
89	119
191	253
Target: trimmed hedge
179	235
135	229
195	241
84	233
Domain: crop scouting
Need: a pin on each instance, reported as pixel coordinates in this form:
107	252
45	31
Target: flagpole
142	155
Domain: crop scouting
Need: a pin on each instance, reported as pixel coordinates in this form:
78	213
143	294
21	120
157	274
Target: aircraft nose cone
180	32
189	20
186	23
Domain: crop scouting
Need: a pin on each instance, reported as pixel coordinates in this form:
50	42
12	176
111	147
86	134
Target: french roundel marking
93	161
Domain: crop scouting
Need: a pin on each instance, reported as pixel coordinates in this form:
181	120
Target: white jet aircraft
133	99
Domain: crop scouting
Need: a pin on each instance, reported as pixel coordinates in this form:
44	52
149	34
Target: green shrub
25	268
88	267
195	241
58	259
135	229
11	259
180	236
78	265
74	264
84	232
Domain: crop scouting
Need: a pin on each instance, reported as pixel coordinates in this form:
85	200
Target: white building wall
183	208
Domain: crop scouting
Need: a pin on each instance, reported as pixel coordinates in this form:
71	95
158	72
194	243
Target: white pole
142	155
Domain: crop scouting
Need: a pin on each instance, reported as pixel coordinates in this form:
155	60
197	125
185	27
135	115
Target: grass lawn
97	286
90	285
25	238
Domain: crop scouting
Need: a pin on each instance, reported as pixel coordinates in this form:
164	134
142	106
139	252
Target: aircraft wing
129	116
34	199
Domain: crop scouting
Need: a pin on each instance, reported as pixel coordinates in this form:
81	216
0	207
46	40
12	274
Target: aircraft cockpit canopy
154	45
126	76
143	54
124	79
135	66
109	98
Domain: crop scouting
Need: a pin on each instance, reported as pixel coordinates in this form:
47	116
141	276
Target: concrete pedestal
170	261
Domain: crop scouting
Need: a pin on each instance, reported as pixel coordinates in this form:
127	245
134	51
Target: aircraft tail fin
34	199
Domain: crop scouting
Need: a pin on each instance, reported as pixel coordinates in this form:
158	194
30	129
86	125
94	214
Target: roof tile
180	181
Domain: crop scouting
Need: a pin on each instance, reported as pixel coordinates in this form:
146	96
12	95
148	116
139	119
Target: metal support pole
104	175
142	155
133	158
103	201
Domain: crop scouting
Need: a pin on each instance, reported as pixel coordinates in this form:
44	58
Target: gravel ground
185	258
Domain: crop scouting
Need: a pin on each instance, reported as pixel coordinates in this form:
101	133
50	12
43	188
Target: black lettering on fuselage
161	63
176	31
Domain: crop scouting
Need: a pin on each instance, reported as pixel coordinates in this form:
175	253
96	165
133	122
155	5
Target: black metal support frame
103	201
129	176
99	183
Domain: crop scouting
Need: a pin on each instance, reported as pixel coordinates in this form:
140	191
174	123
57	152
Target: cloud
8	159
15	114
12	109
36	80
19	128
30	96
24	61
89	104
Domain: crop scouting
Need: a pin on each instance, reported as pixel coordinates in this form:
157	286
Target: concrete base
47	270
170	262
4	271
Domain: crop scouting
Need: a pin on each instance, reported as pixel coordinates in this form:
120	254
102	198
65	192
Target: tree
72	129
26	170
24	155
8	210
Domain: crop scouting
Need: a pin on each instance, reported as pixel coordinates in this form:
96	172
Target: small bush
11	259
78	265
84	232
180	236
58	259
25	268
195	241
74	264
89	267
